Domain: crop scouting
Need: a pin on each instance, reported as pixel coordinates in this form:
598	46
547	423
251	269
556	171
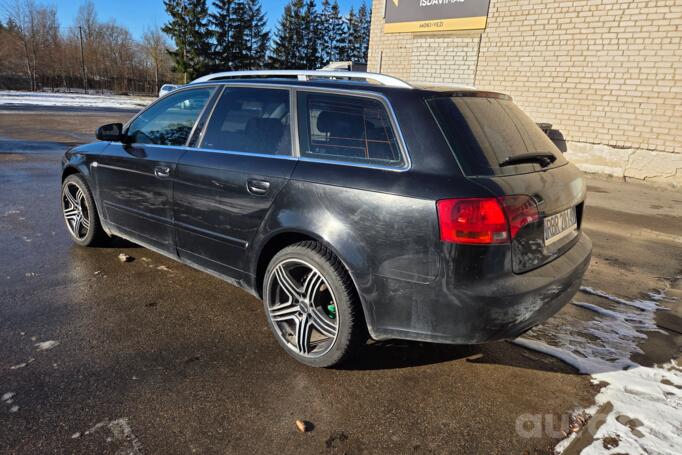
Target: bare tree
36	53
155	44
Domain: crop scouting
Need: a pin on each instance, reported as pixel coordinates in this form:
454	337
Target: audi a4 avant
352	204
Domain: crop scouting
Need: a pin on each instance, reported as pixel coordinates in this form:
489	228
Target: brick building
606	73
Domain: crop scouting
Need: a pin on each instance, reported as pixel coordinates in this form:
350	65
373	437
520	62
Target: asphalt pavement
151	356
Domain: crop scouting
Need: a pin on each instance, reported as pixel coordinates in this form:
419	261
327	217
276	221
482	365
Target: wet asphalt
151	356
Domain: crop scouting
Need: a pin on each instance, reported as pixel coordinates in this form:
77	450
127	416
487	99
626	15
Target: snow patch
651	397
22	365
16	98
8	396
45	345
121	433
650	305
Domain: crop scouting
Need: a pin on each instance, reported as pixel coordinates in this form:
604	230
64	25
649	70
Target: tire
300	312
80	213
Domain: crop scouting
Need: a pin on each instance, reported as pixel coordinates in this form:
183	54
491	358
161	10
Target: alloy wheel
75	210
302	307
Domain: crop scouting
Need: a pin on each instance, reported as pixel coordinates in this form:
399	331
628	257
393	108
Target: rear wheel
80	214
311	305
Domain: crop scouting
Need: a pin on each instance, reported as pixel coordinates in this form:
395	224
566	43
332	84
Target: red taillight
477	221
485	221
520	210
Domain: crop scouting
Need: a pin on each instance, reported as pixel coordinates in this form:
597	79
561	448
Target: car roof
422	90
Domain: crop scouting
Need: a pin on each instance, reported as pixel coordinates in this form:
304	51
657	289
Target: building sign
415	16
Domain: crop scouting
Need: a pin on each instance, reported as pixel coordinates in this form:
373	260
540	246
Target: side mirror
113	132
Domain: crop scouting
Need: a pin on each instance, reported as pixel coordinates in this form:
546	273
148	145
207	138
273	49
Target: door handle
257	187
162	172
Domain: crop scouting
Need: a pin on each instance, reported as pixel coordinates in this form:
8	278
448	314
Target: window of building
347	128
250	120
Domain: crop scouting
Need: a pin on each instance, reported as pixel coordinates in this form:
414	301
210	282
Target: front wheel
80	214
311	305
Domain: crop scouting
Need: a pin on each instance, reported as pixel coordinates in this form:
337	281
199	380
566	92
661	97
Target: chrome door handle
162	172
257	187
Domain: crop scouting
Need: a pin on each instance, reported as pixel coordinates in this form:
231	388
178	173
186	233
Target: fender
345	220
80	160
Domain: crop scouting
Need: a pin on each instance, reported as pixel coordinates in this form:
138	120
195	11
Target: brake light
485	221
520	210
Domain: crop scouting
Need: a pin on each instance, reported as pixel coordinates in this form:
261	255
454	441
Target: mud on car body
352	204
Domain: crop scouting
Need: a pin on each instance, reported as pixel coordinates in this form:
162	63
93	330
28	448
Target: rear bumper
472	311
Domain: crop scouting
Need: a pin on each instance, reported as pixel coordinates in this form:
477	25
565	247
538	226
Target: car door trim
118	168
139	213
211	235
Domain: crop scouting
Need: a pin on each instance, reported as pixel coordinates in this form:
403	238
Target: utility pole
85	78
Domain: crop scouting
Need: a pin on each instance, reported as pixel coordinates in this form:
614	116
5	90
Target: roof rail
443	85
305	75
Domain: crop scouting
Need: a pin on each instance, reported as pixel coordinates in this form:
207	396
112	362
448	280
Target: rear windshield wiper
543	158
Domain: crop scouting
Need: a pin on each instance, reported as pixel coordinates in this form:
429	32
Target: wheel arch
70	170
83	171
286	237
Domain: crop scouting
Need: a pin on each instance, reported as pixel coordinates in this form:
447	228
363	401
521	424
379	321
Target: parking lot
150	356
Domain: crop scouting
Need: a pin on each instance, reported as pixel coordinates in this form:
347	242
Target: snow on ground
647	402
121	434
16	98
46	345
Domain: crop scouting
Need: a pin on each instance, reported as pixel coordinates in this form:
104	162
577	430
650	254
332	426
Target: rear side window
250	120
347	128
170	121
484	132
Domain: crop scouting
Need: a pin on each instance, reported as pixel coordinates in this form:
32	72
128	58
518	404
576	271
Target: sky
140	15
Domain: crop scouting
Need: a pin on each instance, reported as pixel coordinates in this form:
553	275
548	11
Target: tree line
37	52
233	35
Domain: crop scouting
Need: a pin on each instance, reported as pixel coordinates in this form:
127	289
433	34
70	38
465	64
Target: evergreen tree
356	38
256	36
365	20
311	35
336	33
188	29
288	50
326	39
227	30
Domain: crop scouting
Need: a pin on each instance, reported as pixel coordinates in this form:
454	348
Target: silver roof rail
305	75
443	85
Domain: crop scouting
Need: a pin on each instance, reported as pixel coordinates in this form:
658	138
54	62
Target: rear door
135	180
497	145
225	187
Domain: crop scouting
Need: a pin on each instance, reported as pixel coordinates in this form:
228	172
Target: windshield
486	132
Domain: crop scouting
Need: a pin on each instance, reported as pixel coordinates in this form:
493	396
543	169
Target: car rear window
483	132
344	128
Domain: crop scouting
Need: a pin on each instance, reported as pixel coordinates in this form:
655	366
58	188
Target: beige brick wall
441	58
606	73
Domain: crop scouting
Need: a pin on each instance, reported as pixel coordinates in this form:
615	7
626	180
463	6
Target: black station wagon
352	204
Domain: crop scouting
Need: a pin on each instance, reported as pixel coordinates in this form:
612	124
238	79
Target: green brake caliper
331	311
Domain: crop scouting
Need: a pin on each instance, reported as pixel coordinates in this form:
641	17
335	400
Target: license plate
560	225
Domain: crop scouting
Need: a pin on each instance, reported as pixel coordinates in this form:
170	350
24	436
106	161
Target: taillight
485	221
520	210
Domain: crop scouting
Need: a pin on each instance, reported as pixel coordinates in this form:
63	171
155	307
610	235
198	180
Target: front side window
250	120
347	128
170	121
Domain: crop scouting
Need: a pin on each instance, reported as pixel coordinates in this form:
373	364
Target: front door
224	188
135	179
